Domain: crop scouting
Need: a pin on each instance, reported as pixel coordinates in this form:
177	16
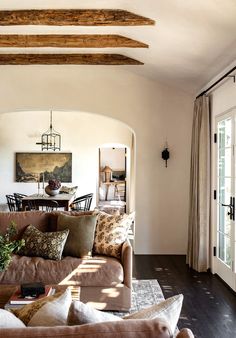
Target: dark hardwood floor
209	307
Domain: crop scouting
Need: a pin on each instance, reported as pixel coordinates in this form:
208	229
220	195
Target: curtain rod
216	83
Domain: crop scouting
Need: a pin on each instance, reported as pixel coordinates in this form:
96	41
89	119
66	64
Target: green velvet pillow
43	244
81	234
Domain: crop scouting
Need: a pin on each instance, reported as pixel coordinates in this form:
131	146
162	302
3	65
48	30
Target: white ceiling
192	41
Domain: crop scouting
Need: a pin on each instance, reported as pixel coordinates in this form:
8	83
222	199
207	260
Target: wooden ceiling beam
67	59
73	17
70	41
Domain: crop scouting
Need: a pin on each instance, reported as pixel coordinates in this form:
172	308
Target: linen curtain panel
199	207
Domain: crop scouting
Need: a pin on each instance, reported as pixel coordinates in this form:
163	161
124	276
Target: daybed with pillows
86	249
59	316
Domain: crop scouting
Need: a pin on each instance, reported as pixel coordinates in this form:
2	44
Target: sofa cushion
26	312
81	313
169	310
111	232
94	271
81	234
153	328
53	313
53	217
43	244
8	319
44	221
22	219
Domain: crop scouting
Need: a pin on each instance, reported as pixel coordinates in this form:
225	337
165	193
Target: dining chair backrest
11	202
18	198
82	203
41	204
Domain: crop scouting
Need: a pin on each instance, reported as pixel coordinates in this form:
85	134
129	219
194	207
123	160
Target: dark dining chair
11	202
18	198
45	205
82	203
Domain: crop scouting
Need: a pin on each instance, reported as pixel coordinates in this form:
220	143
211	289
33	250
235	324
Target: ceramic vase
51	192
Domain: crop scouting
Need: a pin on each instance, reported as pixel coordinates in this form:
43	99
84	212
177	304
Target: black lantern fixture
165	154
51	139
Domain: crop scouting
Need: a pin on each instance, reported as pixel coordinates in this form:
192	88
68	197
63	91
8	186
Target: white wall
152	110
113	157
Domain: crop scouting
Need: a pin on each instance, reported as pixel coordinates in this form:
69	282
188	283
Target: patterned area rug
145	292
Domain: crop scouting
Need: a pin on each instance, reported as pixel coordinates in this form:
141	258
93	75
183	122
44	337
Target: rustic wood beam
67	59
70	41
73	17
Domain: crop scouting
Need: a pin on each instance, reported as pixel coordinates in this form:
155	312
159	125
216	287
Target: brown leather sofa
139	328
105	281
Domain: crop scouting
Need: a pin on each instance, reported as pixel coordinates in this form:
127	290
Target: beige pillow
25	313
81	234
68	190
53	313
168	310
43	244
8	319
81	313
111	232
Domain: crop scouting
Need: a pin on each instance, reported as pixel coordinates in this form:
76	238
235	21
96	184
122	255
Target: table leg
107	189
67	206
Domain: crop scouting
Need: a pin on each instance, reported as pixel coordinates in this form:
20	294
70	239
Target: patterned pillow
43	244
68	190
111	232
26	312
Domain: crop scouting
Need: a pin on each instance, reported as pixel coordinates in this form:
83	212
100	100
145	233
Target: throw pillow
81	234
168	310
68	190
26	312
43	244
7	319
111	232
53	313
81	313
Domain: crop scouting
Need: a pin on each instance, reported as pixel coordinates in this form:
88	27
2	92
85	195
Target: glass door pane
224	179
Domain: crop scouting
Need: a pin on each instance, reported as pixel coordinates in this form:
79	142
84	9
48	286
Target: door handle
231	206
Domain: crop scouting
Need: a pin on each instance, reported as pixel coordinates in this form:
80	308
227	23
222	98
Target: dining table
63	200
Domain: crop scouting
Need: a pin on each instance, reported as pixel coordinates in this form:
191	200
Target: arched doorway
114	178
82	134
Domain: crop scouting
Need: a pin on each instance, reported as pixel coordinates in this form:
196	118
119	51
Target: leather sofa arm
127	262
185	333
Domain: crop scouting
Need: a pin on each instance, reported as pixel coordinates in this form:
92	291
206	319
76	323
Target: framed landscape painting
34	167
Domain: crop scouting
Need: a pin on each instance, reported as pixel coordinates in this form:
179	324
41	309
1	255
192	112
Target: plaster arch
154	111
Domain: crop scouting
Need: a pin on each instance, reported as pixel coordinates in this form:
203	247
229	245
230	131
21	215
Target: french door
225	210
